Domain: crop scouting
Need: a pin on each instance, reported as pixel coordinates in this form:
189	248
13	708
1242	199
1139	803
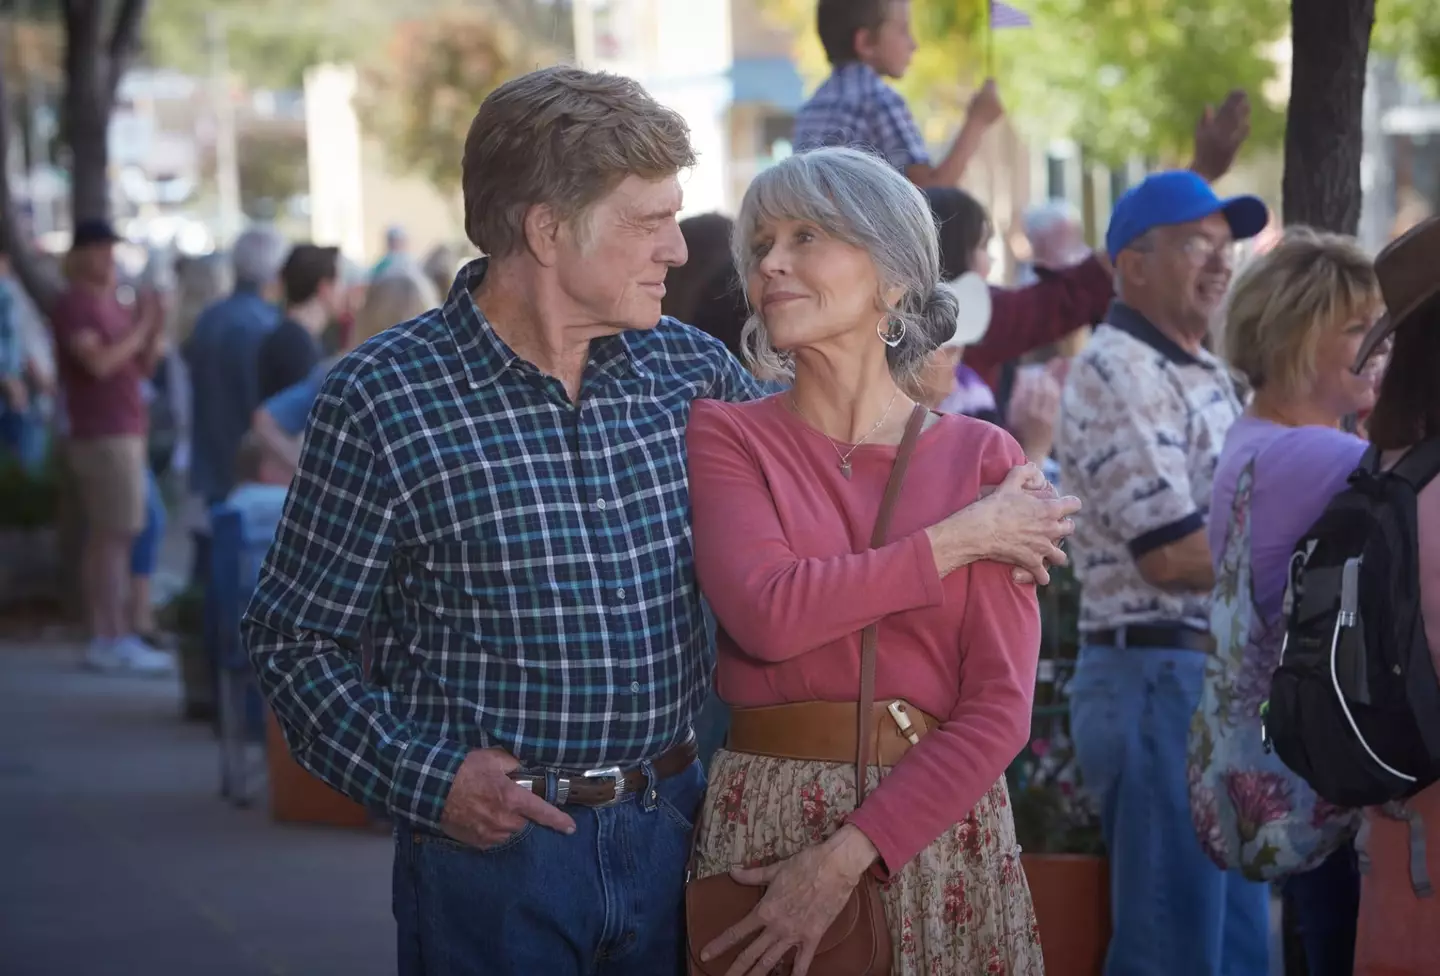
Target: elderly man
1056	237
1144	414
222	356
492	498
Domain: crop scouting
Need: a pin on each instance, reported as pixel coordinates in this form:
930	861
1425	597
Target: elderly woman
839	258
1296	319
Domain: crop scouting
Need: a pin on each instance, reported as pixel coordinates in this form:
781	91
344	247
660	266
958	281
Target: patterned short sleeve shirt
854	107
523	562
1141	428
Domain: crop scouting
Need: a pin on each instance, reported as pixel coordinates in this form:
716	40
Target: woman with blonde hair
828	614
1296	319
392	298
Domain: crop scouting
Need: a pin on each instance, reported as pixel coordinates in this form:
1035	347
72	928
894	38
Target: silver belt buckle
614	774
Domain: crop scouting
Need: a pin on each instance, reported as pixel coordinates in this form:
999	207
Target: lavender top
1298	471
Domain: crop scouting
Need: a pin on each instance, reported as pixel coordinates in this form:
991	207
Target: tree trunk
96	56
1330	42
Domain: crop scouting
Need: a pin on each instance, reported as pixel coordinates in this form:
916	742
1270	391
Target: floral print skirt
962	906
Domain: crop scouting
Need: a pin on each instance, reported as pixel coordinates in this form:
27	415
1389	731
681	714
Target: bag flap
715	903
712	905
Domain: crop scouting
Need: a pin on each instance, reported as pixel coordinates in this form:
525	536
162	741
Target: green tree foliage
269	43
1410	31
420	95
1122	77
273	168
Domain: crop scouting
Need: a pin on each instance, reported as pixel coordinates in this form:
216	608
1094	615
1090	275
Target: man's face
612	261
1187	270
889	49
96	264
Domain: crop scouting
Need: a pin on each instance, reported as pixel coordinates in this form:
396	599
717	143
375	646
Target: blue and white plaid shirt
524	563
854	107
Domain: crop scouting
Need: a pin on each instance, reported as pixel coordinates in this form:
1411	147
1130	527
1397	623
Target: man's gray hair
859	199
1041	218
258	255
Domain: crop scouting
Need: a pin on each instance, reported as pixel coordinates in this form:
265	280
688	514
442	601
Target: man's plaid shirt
524	563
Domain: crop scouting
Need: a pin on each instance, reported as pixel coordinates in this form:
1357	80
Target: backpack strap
1419	465
1419	868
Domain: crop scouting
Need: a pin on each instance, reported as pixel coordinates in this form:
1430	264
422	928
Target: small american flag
1003	15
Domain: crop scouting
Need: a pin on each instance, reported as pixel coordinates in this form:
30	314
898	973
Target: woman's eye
804	236
759	250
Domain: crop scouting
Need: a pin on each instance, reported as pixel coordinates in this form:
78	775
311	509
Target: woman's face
1337	387
812	290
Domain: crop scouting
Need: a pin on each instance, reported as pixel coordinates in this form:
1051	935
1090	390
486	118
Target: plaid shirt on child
854	107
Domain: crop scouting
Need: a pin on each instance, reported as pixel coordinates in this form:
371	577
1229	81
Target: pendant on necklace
845	469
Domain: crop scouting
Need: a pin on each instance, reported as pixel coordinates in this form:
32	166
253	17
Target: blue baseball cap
1178	197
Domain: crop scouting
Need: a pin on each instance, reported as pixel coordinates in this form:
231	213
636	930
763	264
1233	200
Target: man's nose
673	250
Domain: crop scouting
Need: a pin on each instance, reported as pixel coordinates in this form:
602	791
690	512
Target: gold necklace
845	457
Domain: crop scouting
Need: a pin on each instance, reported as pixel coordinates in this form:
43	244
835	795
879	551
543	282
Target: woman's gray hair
258	255
859	199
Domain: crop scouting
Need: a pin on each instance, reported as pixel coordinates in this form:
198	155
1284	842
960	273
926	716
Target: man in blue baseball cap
1144	414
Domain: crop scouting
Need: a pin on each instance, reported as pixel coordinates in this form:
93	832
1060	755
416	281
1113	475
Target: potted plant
29	550
1057	823
184	616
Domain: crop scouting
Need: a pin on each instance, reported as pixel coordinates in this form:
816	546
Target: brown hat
1408	277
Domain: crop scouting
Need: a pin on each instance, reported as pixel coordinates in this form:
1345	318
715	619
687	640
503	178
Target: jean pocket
445	844
679	797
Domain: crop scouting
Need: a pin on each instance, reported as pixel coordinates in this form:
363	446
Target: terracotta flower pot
1071	893
298	797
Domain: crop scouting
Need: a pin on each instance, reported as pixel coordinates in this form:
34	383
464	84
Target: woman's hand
1022	523
804	895
1034	409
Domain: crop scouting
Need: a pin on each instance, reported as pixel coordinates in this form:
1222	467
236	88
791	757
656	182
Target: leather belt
825	731
609	785
1153	635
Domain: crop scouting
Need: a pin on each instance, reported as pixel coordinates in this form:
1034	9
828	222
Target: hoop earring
891	338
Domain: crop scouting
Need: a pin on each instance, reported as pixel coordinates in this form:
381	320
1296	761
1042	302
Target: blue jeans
1174	911
145	552
24	434
604	901
1326	901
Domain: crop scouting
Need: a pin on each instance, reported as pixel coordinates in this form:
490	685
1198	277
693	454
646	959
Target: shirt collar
485	356
1129	321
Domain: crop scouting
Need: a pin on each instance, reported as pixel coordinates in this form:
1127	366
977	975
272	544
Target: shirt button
635	686
620	594
601	504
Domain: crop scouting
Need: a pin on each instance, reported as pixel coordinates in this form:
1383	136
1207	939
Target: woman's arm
940	780
775	604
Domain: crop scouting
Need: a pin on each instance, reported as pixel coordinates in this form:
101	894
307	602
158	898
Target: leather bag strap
869	637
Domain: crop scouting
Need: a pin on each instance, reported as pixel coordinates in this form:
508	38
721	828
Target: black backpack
1355	703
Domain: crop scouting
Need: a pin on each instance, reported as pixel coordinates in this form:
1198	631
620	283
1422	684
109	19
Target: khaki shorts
109	477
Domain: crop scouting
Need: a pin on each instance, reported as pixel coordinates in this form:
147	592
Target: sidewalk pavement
119	857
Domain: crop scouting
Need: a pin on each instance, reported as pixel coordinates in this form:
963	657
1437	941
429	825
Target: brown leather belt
825	731
610	785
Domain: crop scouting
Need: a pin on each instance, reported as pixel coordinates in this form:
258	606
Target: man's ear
543	229
1130	266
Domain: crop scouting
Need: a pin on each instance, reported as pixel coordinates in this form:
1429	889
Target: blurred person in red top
104	351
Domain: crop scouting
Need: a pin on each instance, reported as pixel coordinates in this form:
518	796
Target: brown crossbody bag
858	941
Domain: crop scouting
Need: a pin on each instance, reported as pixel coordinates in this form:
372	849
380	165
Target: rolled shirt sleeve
1142	460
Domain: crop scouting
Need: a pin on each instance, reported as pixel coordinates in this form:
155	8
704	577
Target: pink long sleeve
939	781
773	602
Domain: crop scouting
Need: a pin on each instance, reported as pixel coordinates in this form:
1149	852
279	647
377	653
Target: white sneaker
103	655
141	658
